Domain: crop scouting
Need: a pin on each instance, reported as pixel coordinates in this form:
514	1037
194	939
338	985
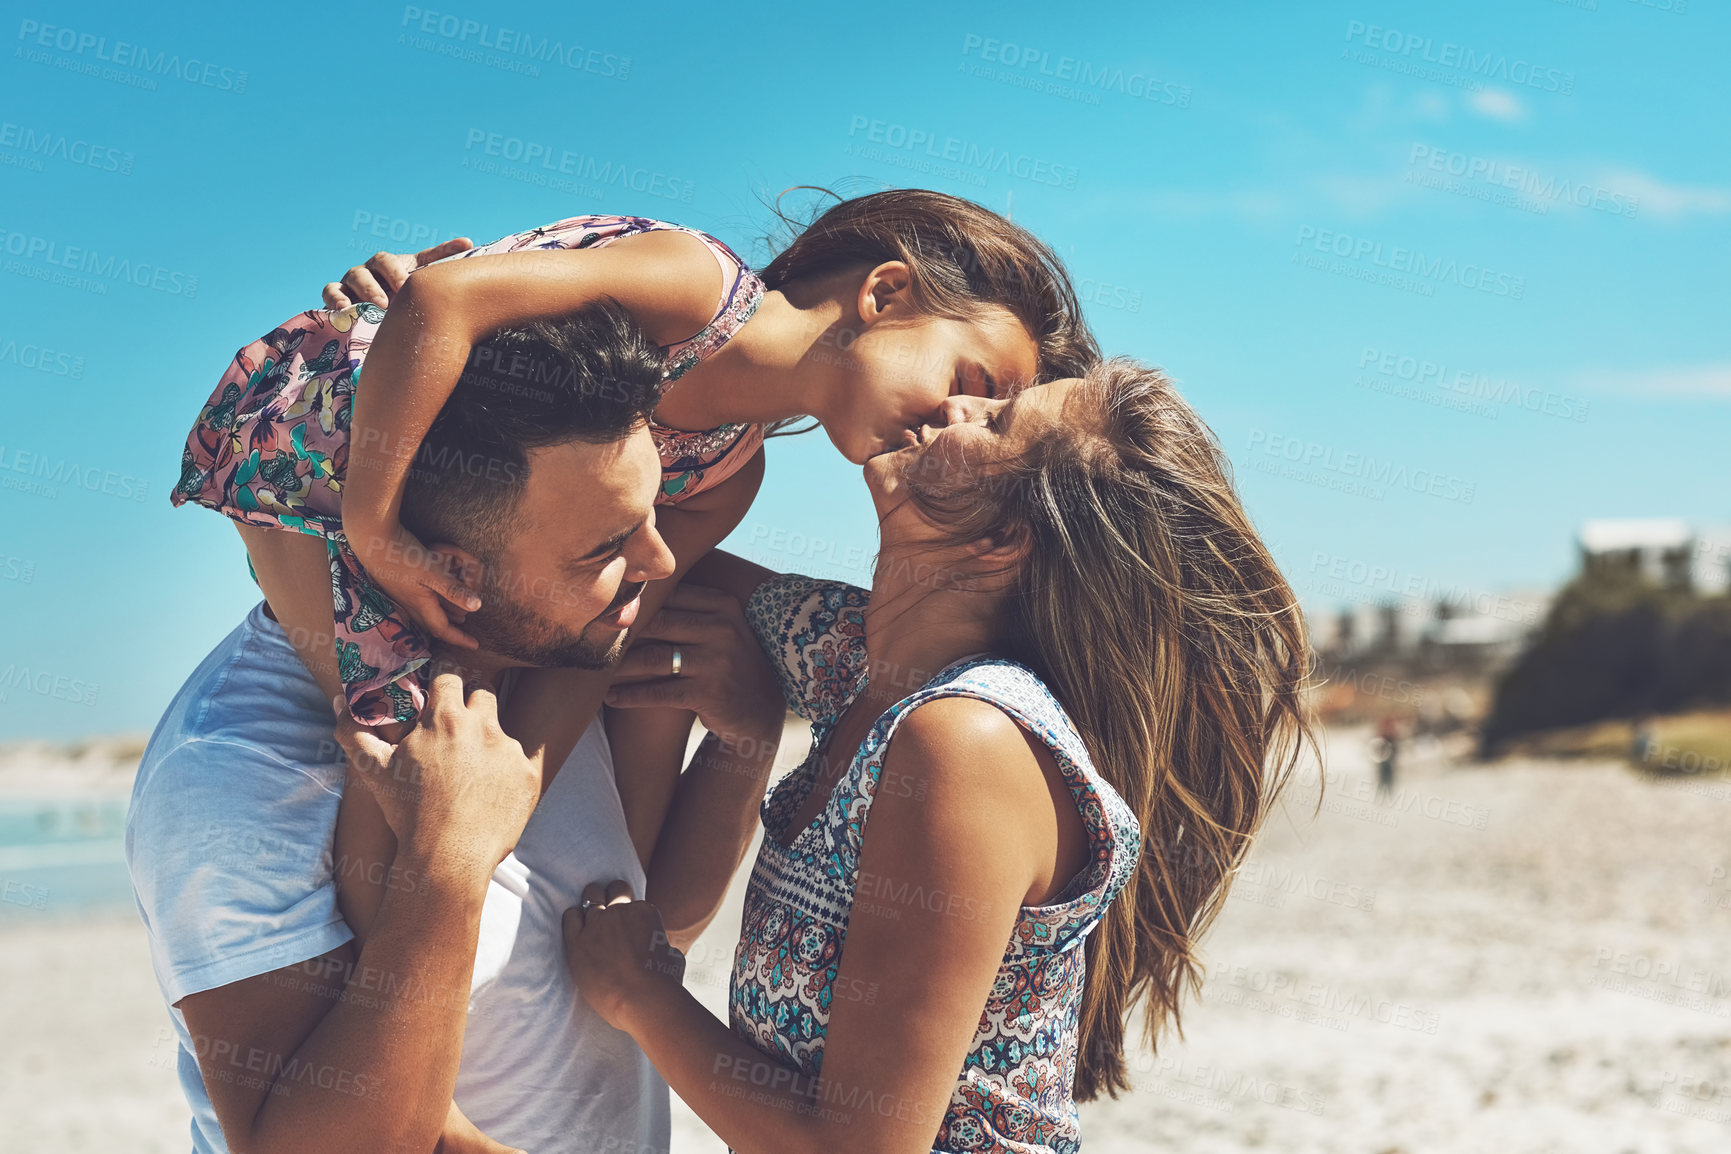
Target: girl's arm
970	817
669	282
729	684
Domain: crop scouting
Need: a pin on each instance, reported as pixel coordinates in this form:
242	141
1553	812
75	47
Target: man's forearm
377	1072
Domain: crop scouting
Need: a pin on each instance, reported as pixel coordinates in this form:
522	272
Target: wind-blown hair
1150	608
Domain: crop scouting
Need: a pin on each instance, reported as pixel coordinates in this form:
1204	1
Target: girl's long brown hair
961	256
1146	602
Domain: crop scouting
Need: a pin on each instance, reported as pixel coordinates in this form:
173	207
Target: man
292	1039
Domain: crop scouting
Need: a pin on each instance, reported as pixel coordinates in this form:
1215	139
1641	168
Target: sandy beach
1533	956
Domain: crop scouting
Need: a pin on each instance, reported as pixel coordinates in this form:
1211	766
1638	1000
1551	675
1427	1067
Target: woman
1065	707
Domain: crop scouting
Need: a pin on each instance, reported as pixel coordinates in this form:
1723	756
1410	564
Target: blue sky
1446	280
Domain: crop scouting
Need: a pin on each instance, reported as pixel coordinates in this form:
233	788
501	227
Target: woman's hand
377	281
417	580
618	952
723	675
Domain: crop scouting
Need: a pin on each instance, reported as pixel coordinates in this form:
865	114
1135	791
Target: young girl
881	309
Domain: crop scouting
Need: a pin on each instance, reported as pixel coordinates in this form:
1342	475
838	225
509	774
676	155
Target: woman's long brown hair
1153	612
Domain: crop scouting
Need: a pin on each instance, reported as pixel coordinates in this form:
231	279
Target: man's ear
886	289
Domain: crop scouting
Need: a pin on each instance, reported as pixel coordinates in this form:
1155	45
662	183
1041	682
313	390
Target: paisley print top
1013	1092
270	448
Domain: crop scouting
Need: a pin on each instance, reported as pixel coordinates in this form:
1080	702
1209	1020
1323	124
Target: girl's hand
377	281
417	580
723	675
618	952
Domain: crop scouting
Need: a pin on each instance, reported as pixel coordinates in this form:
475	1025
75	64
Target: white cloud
1498	105
1669	201
1710	380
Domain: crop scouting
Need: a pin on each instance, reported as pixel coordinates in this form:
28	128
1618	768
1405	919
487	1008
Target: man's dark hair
591	376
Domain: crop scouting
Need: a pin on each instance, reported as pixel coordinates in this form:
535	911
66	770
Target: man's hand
377	281
457	791
724	677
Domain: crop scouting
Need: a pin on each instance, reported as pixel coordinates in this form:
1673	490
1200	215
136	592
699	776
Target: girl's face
970	435
903	368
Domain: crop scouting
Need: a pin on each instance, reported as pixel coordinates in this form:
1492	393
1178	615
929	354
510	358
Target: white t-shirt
228	842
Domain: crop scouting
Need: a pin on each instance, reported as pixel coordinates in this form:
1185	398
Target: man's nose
652	559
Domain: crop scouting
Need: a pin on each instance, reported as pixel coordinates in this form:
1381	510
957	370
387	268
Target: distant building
1664	550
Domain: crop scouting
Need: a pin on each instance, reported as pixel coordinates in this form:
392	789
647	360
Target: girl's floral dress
271	448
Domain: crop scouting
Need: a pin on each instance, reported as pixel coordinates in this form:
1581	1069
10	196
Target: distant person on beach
1387	750
1641	742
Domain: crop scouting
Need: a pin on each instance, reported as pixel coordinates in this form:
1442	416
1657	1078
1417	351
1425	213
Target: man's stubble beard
513	630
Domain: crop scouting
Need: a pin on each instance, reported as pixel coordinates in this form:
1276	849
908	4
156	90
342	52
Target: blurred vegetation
1614	647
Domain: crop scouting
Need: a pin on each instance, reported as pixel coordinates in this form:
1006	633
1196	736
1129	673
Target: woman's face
972	434
902	372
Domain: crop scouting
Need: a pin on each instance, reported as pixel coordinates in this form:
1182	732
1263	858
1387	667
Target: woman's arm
667	280
964	813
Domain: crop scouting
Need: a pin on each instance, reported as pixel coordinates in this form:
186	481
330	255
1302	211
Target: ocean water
61	856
